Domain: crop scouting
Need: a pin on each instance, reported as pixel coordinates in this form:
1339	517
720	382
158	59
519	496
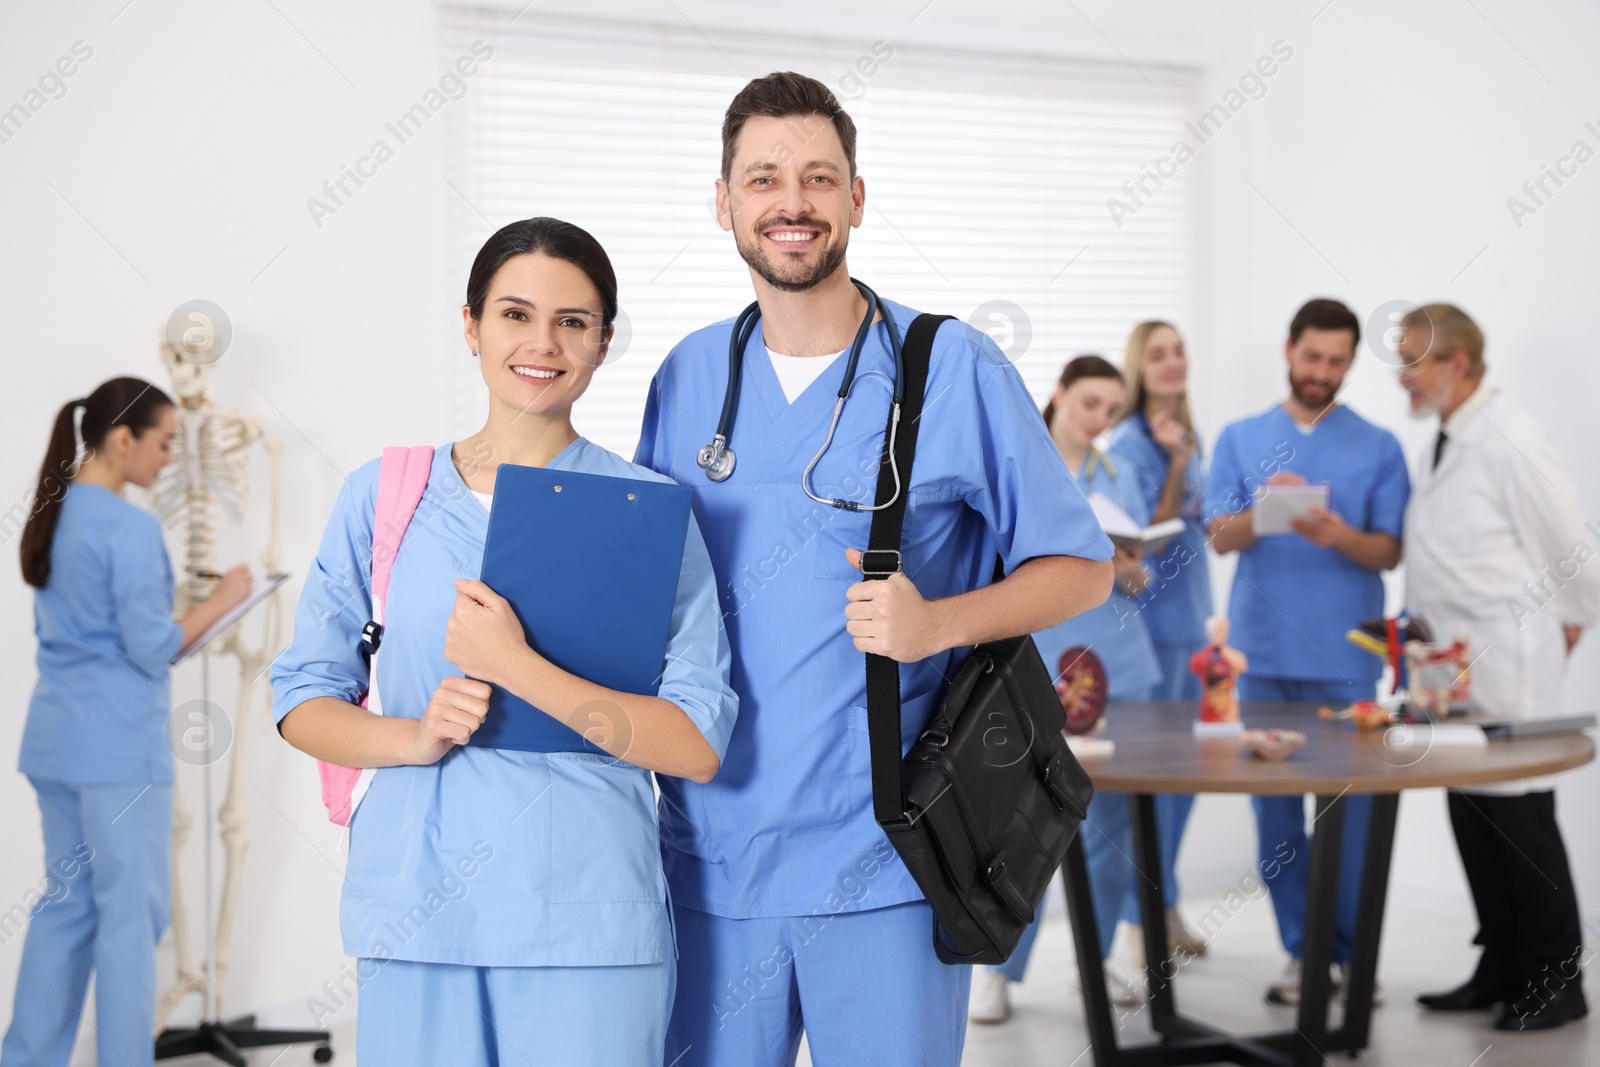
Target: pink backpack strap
402	479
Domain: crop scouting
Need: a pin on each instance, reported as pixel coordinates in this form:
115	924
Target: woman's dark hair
549	237
130	402
1077	368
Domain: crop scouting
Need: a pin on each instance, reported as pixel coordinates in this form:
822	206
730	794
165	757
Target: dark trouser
1516	864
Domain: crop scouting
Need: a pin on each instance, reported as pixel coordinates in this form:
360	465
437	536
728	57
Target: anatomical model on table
1219	667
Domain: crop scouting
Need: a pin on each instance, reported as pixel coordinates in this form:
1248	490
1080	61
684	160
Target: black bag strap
882	559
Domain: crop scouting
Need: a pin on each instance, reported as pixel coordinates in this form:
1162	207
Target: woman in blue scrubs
95	744
1157	446
503	906
1087	403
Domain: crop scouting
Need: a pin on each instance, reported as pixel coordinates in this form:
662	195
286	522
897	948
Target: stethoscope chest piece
717	460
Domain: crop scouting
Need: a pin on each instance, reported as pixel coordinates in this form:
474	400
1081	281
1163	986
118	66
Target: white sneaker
1341	973
1133	937
1181	935
1122	990
990	1001
1286	990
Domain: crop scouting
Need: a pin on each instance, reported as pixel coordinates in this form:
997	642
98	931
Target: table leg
1322	899
1369	922
1091	969
1158	967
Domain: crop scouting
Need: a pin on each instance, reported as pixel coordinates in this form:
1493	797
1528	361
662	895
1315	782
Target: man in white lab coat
1497	549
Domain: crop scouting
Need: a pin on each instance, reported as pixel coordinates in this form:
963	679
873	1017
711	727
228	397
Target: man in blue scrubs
1295	595
794	914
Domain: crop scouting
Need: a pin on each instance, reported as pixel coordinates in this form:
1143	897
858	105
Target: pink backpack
402	477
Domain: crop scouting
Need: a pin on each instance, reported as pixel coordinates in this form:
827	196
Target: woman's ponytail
130	402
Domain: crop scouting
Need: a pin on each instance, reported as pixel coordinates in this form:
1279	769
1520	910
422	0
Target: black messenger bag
983	807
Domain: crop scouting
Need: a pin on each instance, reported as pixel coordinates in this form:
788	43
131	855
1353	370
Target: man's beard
1425	409
1298	388
760	262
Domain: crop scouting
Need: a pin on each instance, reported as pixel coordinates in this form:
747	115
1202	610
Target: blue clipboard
590	565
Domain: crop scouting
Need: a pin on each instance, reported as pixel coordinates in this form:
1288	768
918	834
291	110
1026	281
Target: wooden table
1156	752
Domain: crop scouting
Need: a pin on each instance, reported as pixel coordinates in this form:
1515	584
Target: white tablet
1279	505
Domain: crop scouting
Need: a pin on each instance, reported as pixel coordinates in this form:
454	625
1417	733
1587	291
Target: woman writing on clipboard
95	744
502	906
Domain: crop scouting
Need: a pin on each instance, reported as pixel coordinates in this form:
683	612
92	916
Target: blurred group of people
1490	508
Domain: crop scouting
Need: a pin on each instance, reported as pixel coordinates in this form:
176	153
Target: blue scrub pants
107	895
1172	809
445	1013
1283	846
864	986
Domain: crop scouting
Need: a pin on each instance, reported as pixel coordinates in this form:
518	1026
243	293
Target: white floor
1422	950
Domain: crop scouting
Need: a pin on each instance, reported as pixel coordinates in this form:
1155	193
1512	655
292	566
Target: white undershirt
486	499
796	373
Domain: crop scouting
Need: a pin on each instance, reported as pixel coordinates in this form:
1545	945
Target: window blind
987	182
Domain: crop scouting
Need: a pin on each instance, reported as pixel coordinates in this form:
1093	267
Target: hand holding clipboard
584	569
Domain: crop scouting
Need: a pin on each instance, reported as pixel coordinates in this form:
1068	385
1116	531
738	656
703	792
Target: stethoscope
717	459
1097	458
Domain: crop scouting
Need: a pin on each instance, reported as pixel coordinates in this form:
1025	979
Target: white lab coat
1480	533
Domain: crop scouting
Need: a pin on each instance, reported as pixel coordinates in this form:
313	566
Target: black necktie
1438	447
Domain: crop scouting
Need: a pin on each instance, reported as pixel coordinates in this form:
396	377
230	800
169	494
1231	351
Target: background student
1158	450
1295	595
1495	512
555	944
95	744
1087	402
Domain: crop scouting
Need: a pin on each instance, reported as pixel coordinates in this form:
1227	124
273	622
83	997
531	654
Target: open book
1125	533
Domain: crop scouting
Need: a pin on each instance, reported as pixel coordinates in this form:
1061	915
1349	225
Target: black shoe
1543	1009
1473	995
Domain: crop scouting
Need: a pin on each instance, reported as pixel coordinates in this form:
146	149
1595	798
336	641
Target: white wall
179	161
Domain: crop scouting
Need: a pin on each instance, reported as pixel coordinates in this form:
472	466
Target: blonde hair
1450	330
1133	371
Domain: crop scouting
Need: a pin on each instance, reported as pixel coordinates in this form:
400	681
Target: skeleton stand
213	1036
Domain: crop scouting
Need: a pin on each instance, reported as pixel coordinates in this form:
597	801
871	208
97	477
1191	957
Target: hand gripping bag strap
985	857
402	479
883	673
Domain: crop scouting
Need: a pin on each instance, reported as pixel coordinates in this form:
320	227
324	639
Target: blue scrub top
786	828
106	637
1115	630
489	857
1179	598
1293	602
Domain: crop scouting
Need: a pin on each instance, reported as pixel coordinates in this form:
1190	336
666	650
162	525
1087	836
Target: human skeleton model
206	481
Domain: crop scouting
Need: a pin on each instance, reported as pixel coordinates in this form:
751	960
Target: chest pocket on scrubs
839	530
